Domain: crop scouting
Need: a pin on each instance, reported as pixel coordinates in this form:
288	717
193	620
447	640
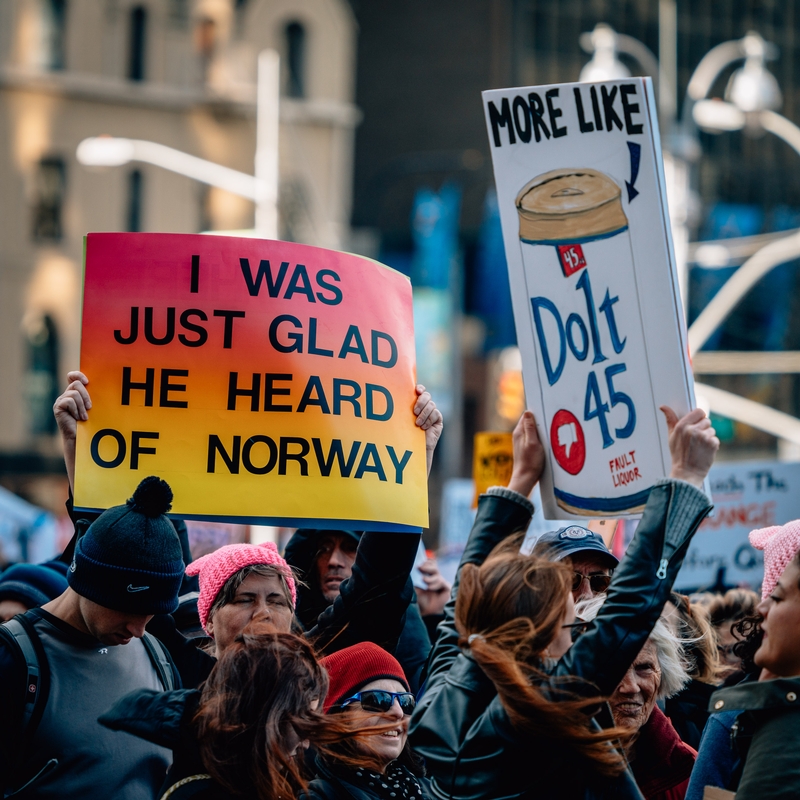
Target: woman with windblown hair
244	733
511	708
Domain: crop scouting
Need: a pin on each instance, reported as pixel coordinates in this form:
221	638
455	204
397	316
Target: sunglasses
379	700
598	583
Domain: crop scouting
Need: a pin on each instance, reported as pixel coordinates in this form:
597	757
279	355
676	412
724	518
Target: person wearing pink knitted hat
243	583
780	544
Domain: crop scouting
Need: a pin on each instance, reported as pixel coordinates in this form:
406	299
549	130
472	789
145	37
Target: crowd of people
128	670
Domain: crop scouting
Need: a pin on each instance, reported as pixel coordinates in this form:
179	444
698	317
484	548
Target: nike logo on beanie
132	588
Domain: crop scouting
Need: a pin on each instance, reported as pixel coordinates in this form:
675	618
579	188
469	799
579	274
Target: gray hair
670	652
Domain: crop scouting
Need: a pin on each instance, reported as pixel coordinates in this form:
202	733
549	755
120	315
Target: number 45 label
594	407
571	258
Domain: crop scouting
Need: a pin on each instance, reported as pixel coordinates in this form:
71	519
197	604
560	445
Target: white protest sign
747	496
580	186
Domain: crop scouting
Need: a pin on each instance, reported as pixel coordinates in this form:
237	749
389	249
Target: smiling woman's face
387	746
633	700
780	649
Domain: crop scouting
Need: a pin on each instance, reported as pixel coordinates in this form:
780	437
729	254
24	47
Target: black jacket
460	726
688	711
414	644
165	719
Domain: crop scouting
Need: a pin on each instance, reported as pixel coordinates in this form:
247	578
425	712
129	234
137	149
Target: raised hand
433	598
528	456
430	419
693	444
70	408
73	405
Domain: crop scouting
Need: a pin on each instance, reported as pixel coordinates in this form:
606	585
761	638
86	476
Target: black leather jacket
460	726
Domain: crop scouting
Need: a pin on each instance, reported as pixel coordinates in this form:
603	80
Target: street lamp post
751	99
261	188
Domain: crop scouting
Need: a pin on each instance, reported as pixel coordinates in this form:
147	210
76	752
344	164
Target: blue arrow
636	155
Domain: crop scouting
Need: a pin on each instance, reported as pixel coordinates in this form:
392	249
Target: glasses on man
598	583
379	700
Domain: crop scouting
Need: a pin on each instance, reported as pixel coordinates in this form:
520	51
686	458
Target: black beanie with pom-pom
130	559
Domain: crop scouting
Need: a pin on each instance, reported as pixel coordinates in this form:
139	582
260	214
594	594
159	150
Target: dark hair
734	605
748	630
262	689
699	639
508	611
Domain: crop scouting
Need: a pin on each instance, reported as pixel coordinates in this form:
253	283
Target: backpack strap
25	643
161	660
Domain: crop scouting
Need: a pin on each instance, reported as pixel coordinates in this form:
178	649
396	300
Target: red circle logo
567	441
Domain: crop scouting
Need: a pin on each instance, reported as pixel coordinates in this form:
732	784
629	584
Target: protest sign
267	382
747	496
580	187
492	461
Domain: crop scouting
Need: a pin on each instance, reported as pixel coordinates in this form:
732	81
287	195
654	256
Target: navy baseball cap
574	539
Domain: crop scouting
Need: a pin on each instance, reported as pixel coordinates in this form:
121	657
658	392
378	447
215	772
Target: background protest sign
747	495
580	187
492	461
266	381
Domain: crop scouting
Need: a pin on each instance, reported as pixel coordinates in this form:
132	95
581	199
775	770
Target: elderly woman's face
634	698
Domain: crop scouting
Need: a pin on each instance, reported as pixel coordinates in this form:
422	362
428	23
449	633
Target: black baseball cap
575	539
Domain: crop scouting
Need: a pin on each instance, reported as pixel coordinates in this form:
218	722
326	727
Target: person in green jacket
767	732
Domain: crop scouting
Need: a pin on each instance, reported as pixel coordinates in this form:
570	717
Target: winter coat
414	644
663	763
688	711
766	735
460	726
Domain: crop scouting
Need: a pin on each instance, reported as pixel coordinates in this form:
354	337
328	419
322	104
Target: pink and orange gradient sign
265	381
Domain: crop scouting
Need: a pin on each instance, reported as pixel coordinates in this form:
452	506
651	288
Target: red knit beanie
353	667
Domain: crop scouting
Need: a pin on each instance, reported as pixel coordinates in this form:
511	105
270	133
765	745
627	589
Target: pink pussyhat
215	568
780	544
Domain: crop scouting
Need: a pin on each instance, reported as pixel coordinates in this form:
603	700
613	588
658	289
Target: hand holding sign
528	456
430	419
693	444
70	407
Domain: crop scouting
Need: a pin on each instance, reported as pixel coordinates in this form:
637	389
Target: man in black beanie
127	567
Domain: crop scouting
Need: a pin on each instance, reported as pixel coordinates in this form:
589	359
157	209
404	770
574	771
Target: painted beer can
579	273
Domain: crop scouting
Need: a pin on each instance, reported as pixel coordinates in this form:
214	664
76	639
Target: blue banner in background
434	229
434	276
491	293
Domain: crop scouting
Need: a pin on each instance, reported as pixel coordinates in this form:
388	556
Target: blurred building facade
178	72
429	132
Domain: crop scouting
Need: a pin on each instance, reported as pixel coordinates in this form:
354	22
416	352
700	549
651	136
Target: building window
49	199
41	377
240	11
295	60
136	64
54	18
135	189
